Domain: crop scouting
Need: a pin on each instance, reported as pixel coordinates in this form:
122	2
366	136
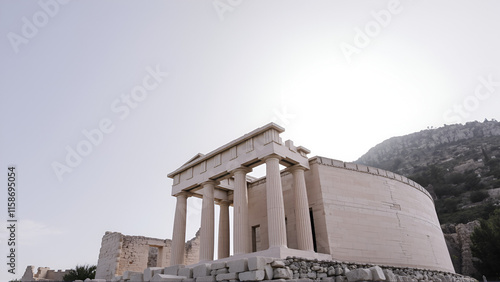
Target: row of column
242	230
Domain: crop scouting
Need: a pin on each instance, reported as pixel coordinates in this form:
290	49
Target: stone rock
134	277
221	271
218	265
269	274
126	275
377	273
186	272
282	273
256	263
148	273
166	277
172	270
278	264
201	270
226	276
206	279
389	276
359	274
311	275
340	279
256	275
240	265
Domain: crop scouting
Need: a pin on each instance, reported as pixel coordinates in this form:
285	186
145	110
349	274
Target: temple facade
316	208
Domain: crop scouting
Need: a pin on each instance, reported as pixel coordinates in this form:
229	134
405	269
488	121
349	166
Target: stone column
241	232
179	232
275	206
302	218
207	222
223	248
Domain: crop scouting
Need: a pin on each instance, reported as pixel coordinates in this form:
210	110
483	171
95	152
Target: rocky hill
460	166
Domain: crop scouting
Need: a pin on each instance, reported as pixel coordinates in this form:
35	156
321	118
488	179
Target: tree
486	246
81	272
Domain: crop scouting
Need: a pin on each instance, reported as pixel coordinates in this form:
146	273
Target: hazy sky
101	99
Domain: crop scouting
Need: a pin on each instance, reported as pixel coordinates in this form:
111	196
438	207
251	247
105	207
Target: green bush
81	272
478	196
486	247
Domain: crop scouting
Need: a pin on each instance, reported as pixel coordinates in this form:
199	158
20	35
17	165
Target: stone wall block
206	279
256	275
218	265
148	273
240	265
377	273
282	273
166	277
172	270
256	263
127	274
185	272
269	274
201	270
359	274
278	264
226	276
136	277
389	275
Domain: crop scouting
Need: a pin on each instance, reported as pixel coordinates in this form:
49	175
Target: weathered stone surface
255	275
226	276
240	265
389	276
133	277
256	263
221	271
201	270
172	270
127	274
359	274
205	279
340	279
166	277
186	272
218	265
282	273
148	273
377	273
278	264
269	273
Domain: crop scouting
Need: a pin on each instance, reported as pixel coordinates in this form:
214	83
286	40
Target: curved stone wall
369	215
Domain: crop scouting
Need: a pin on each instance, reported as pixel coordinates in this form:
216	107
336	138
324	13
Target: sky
101	100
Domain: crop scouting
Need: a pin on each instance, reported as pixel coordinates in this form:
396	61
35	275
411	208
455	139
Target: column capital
296	167
209	182
223	202
242	169
271	156
183	194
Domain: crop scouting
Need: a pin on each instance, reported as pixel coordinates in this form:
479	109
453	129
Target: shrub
478	196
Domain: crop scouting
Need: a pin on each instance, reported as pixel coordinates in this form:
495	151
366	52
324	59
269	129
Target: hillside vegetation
458	164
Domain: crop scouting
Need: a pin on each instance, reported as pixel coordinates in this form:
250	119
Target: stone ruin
43	274
120	253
